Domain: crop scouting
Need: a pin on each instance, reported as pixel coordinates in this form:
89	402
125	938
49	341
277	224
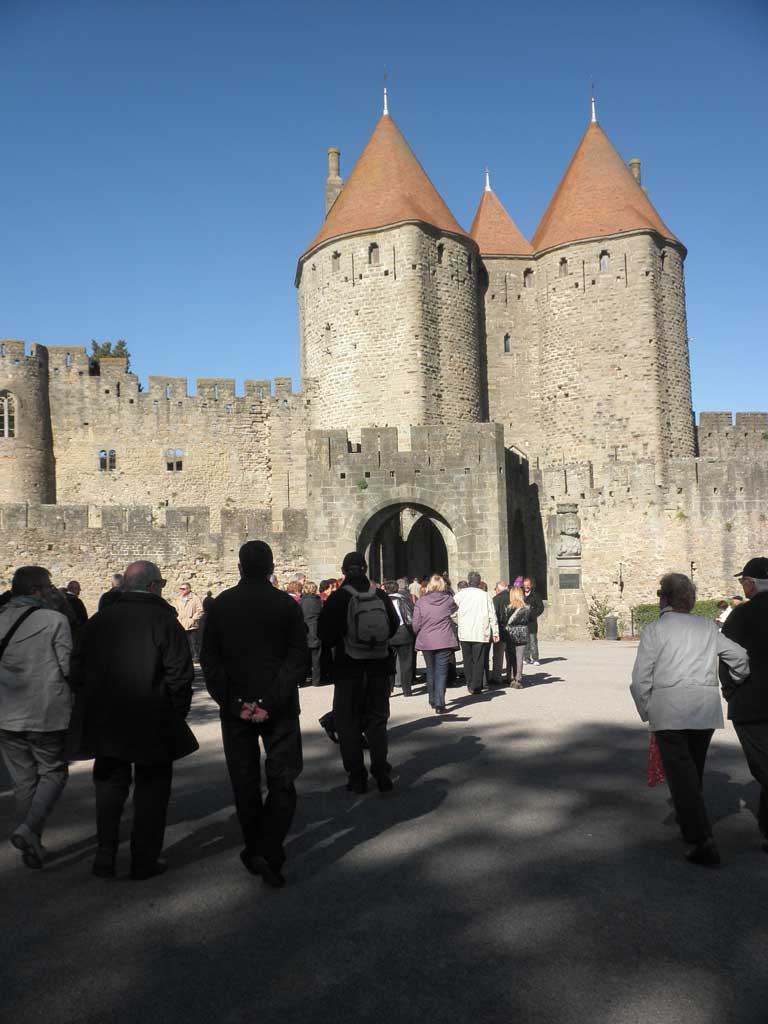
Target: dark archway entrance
406	540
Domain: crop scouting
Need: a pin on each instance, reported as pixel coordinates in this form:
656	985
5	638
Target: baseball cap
353	560
756	569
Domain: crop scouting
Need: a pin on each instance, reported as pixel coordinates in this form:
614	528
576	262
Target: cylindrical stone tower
26	445
390	295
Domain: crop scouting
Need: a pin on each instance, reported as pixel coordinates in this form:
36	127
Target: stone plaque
570	580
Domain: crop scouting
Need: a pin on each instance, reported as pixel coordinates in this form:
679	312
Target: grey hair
679	591
473	579
139	575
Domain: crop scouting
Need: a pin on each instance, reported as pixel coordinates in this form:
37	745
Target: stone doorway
407	540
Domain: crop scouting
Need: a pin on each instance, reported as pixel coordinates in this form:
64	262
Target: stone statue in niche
568	532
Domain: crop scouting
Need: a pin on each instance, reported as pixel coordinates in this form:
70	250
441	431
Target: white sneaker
24	839
535	662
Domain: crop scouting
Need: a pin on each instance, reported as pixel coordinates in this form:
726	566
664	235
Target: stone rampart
719	437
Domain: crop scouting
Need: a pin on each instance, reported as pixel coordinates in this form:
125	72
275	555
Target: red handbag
655	767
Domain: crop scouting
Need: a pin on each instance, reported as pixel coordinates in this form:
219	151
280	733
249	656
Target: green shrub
598	608
642	614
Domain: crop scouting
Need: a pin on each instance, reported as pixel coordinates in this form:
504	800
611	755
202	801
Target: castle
468	400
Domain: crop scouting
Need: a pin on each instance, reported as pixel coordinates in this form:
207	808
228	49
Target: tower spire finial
386	106
488	180
594	115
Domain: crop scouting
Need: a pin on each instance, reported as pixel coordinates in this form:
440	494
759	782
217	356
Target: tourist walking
536	605
517	619
254	659
436	638
311	606
190	609
358	621
747	625
402	642
76	605
501	650
136	670
478	626
35	705
674	686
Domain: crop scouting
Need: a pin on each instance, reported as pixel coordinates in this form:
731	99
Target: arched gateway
407	539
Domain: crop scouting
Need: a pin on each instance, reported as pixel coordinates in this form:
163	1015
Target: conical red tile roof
597	196
494	230
388	185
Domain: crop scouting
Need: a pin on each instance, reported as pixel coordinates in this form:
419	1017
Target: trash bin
611	627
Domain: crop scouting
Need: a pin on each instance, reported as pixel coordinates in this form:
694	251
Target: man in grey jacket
35	705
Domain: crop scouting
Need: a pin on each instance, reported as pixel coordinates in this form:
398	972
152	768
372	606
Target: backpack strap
9	635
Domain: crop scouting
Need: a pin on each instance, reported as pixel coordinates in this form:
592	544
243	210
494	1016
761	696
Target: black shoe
326	723
441	710
357	784
705	853
258	865
141	874
385	784
104	864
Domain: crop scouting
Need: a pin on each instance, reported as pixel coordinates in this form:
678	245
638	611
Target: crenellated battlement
719	436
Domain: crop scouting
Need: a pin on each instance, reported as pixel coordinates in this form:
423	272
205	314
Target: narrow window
507	344
373	254
174	459
563	267
103	460
7	414
215	392
335	261
117	389
112	459
469	263
2	349
528	278
440	253
167	390
68	360
260	393
605	261
663	259
227	408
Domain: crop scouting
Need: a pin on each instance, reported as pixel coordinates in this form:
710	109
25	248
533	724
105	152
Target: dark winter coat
747	625
522	620
432	622
255	649
134	666
311	606
536	606
501	603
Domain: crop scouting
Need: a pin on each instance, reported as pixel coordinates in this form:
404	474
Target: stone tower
390	301
26	445
511	323
614	376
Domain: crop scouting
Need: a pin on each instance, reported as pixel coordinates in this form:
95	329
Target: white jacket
674	680
476	617
34	692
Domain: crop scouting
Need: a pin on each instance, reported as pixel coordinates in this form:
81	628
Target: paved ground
521	872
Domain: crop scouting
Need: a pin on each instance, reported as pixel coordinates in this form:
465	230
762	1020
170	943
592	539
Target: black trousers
264	823
475	656
753	737
361	707
404	665
683	753
151	793
314	665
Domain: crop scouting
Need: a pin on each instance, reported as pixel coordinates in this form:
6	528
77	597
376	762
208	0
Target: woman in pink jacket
435	637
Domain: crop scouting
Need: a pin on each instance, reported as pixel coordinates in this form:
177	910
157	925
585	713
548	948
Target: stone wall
235	450
395	342
719	437
89	545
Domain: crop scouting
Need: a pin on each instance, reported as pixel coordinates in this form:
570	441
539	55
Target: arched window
373	254
440	252
7	414
335	261
528	278
103	460
112	459
563	267
507	344
174	459
605	261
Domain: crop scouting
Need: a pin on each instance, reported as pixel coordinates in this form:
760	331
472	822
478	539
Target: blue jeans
437	674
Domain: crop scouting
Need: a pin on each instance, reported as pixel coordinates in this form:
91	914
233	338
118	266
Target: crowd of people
117	688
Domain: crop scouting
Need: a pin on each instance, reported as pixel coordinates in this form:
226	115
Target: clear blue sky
163	162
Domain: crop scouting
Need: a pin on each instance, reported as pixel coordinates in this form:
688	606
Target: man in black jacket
254	659
747	625
361	683
536	606
501	648
137	673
